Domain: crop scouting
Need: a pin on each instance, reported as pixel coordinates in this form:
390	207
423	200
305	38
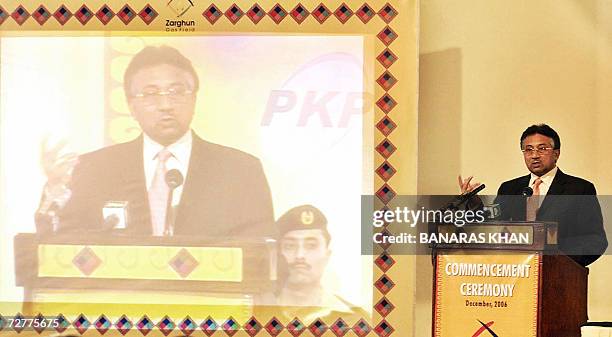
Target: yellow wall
491	68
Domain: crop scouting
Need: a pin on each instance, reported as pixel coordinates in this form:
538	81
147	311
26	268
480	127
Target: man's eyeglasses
175	94
539	150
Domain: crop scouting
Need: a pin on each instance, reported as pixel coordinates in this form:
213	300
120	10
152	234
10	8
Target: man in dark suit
570	201
225	192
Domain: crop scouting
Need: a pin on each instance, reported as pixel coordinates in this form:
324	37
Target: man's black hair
543	130
151	56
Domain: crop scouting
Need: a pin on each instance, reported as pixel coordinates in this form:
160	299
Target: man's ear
557	153
328	252
130	104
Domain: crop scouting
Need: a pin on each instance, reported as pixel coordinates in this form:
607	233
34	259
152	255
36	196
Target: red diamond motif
387	35
252	327
383	329
384	262
385	194
384	307
385	171
340	328
212	14
187	326
386	103
385	234
81	324
123	325
256	13
209	326
386	58
63	323
365	13
317	328
386	148
386	80
39	318
361	328
230	327
105	14
296	327
102	324
18	327
20	15
183	263
62	15
277	13
148	14
386	125
234	13
126	14
384	284
3	15
321	13
299	13
83	15
145	325
343	13
166	325
274	327
387	13
86	261
41	15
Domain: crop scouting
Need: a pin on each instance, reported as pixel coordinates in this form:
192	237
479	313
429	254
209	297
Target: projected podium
135	276
506	279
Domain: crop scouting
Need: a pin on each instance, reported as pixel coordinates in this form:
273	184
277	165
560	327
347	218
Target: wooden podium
505	279
119	275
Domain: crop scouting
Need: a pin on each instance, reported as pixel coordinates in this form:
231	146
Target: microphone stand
170	215
174	179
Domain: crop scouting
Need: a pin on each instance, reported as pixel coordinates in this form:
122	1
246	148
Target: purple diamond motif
124	325
183	263
86	261
81	324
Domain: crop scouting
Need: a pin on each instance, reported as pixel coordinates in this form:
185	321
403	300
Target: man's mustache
300	265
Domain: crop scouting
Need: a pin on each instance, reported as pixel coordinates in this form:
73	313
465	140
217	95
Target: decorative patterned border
212	14
256	13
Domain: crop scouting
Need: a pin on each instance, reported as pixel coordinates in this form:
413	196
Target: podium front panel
476	292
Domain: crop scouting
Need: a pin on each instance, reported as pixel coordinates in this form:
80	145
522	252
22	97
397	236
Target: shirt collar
179	149
547	178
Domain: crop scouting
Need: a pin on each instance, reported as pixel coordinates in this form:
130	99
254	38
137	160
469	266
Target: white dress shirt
181	153
547	180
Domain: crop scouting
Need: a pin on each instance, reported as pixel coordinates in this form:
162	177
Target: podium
505	279
92	274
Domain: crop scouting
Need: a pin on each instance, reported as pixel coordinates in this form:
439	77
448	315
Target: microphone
174	179
527	191
462	198
468	195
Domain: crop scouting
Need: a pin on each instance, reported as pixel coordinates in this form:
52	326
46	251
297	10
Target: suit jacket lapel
556	188
522	201
135	188
197	173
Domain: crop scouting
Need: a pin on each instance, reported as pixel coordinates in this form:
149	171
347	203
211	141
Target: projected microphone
527	191
174	179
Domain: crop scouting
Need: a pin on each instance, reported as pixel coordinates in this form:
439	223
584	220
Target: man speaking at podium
548	194
225	192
